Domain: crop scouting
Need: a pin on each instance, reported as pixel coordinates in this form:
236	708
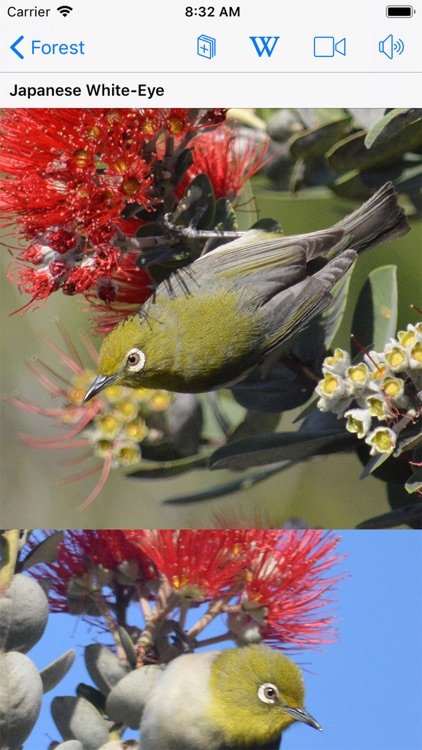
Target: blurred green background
326	492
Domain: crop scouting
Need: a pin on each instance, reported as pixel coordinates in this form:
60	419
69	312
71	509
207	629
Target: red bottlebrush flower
197	564
286	587
271	585
110	427
228	158
70	174
120	295
87	562
67	168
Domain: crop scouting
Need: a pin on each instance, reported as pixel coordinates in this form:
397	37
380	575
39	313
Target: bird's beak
299	714
100	382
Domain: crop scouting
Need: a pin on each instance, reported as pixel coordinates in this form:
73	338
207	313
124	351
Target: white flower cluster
381	390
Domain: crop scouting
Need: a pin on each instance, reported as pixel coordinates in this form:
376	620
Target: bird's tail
378	220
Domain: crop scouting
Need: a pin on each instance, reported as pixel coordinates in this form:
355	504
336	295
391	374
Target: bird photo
237	698
240	303
196	301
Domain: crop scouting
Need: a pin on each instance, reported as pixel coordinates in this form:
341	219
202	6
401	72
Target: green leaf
76	718
268	225
356	185
398	498
352	153
197	207
44	552
375	316
245	483
410	179
23	614
54	673
282	389
414	484
167	469
410	439
128	646
255	423
225	215
91	694
104	667
182	164
152	229
282	446
410	515
311	144
390	125
374	463
332	317
20	699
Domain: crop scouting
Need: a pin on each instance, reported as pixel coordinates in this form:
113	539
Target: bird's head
121	358
257	692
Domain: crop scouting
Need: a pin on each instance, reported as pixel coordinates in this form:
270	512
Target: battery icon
399	11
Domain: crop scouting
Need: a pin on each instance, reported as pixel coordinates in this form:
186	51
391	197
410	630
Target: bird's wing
256	249
290	311
266	262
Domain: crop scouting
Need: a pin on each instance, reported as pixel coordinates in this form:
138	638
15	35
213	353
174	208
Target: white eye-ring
268	693
135	360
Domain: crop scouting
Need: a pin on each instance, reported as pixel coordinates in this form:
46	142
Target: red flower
197	564
272	585
120	295
287	585
71	173
229	157
87	562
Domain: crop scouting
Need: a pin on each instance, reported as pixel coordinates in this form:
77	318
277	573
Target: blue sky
365	690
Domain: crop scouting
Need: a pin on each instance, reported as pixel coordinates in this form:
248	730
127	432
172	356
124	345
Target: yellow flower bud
108	426
408	337
126	409
393	387
127	454
102	448
338	363
358	374
358	421
330	384
381	440
136	430
396	358
416	354
375	406
160	400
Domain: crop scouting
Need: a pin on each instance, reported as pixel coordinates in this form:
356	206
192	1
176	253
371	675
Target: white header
214	90
325	50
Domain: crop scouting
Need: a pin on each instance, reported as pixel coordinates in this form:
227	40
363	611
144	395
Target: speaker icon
390	46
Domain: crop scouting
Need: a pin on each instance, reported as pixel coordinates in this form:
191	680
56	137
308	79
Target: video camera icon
326	46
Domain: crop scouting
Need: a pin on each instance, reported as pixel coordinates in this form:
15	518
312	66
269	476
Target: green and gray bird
236	306
237	699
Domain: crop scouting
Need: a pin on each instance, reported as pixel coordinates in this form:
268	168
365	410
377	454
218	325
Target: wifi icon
64	10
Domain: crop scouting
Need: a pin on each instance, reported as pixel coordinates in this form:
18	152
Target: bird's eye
268	693
135	360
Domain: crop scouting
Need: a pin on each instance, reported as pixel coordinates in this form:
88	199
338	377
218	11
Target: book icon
205	46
